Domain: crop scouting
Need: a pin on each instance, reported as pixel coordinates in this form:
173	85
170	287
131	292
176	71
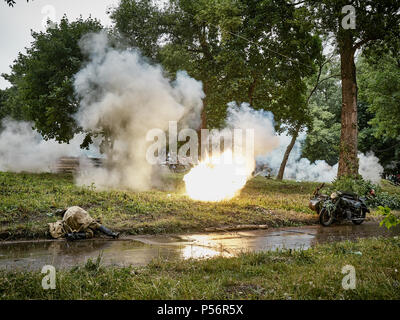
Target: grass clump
315	273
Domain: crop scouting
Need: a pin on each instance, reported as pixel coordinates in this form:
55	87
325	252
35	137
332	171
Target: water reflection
199	252
140	250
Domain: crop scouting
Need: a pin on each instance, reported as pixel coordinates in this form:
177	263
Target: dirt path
140	250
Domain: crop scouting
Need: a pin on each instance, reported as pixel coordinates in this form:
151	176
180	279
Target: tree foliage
375	134
42	79
376	21
140	25
270	51
389	219
3	98
247	51
380	88
9	110
323	135
379	83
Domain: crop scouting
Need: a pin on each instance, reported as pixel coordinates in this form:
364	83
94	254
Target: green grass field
28	199
311	274
27	202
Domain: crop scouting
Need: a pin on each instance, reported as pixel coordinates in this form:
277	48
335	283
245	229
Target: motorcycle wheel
358	222
324	218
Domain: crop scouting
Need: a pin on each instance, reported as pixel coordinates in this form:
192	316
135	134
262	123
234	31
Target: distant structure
72	164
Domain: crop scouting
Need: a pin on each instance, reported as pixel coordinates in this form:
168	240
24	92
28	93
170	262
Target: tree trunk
203	124
204	116
252	88
348	161
287	153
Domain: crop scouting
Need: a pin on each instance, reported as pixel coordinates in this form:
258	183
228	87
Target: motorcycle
339	206
394	179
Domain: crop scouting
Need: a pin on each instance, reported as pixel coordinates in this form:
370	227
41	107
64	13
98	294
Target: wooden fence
72	164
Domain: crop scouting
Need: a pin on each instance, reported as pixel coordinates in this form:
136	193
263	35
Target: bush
358	185
384	199
362	188
389	220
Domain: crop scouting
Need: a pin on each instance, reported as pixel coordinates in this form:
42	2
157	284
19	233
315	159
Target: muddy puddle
140	250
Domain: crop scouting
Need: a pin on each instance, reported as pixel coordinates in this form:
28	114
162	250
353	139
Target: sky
16	23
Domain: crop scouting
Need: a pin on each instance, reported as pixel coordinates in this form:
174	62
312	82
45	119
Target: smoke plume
301	169
262	122
23	149
125	96
369	167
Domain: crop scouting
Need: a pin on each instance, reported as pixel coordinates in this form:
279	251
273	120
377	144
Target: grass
311	274
390	188
27	202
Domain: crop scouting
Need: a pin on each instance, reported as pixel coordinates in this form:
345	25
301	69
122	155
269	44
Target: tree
42	79
175	36
376	21
194	45
247	51
308	111
9	109
380	107
3	98
250	51
322	142
139	24
323	134
378	89
3	109
380	81
267	52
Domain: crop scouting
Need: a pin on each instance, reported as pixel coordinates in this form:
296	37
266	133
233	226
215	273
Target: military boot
108	232
76	236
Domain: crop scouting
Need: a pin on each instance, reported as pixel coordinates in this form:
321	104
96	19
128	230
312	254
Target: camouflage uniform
75	220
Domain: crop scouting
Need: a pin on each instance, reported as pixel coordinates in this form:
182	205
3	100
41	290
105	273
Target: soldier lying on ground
78	224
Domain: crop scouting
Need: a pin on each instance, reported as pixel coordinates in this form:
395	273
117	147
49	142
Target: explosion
223	175
217	178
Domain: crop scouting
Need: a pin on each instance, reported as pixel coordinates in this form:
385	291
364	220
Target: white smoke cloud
23	149
262	122
369	167
124	94
244	117
297	168
301	169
